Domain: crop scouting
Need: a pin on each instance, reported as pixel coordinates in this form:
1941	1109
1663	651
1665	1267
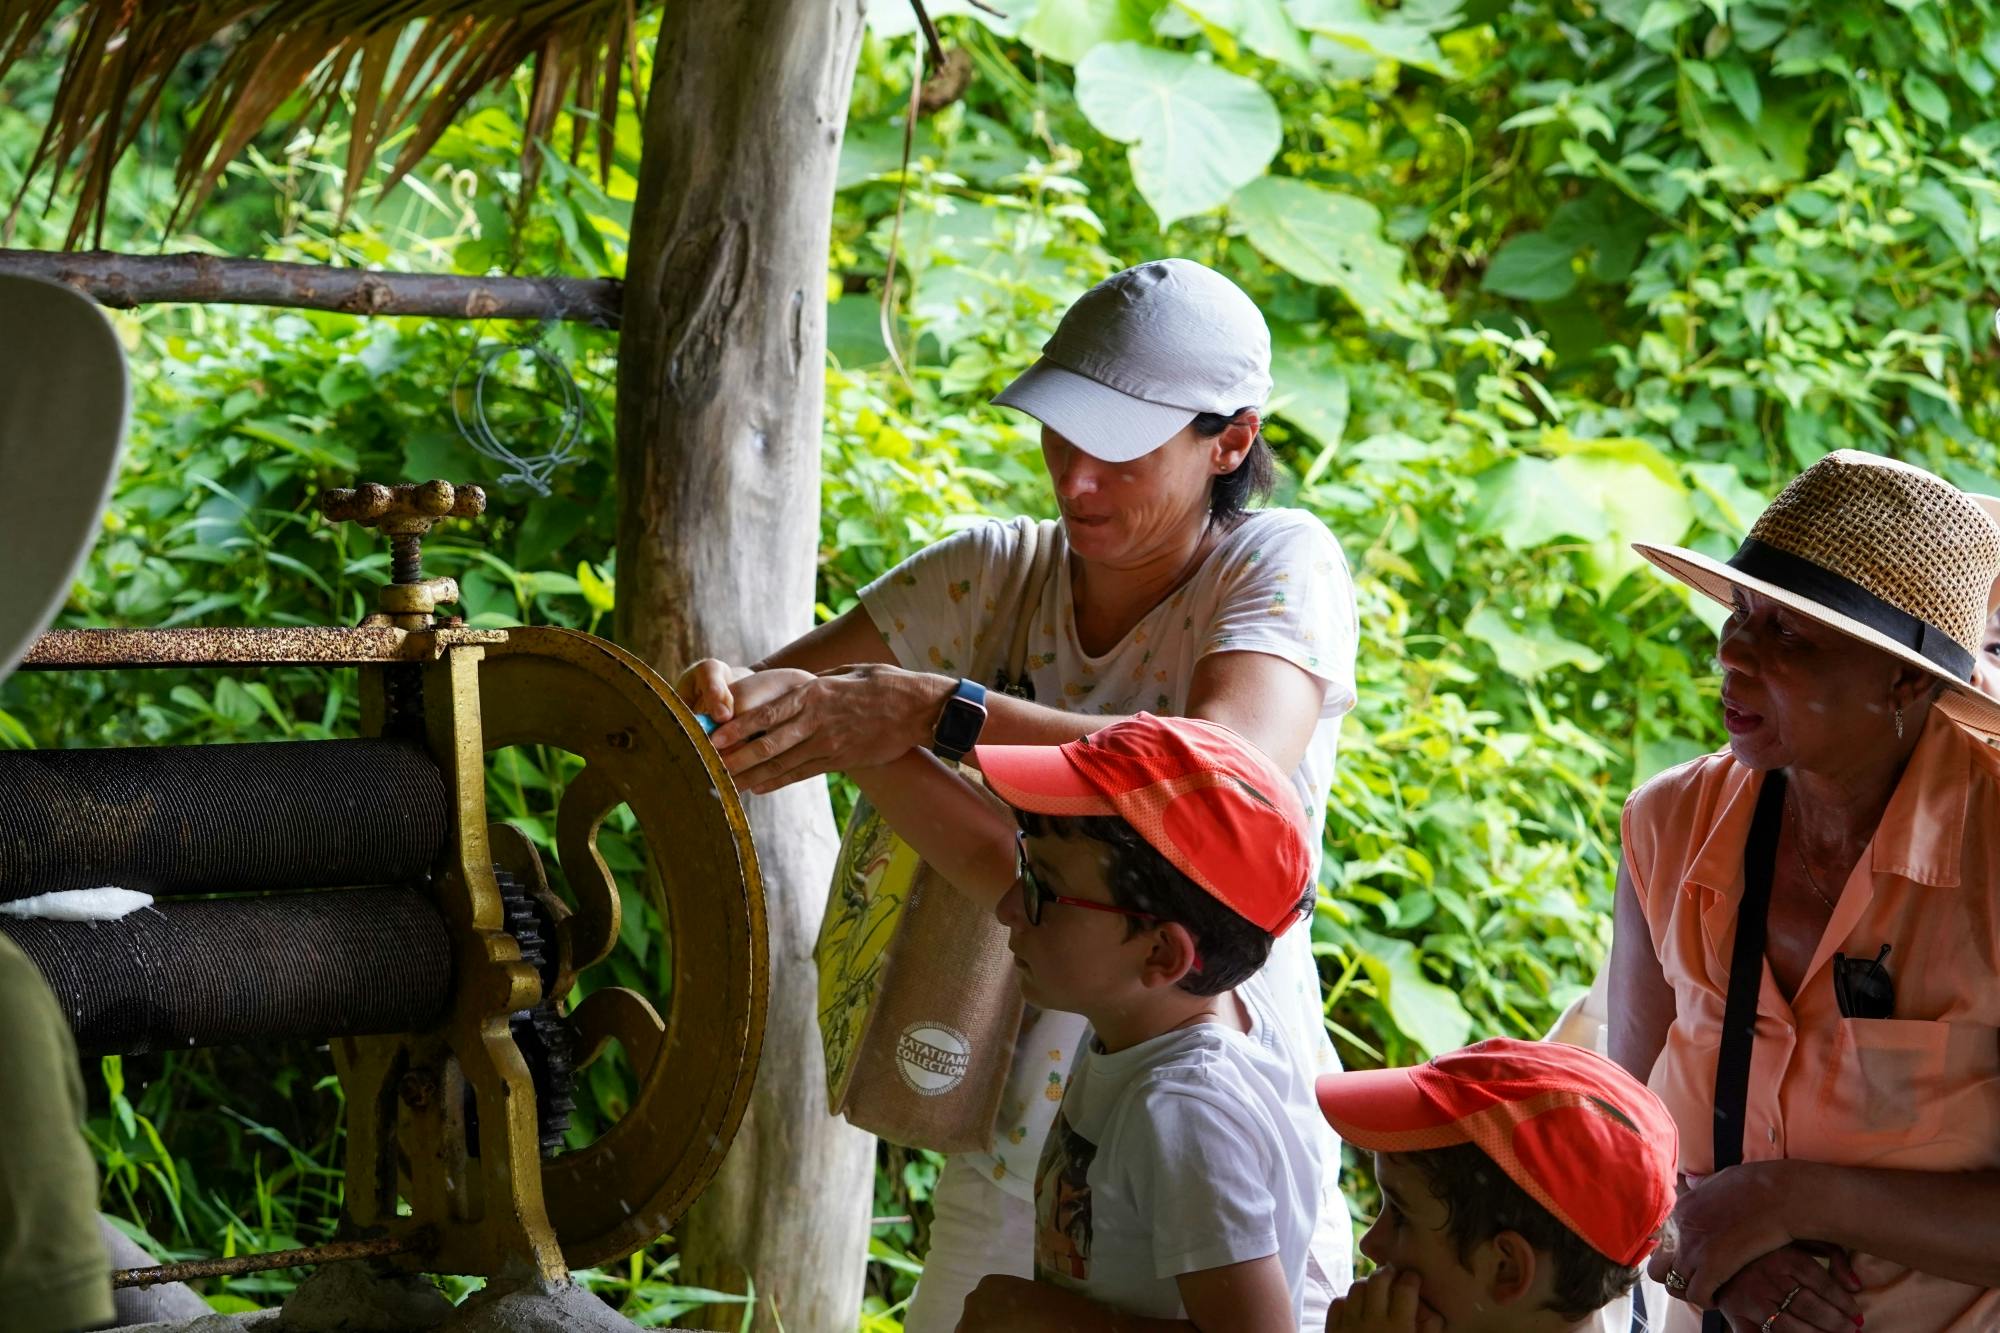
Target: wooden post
720	389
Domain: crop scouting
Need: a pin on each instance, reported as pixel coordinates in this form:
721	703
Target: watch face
960	725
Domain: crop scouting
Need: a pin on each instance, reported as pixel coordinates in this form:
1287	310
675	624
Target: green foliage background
1544	279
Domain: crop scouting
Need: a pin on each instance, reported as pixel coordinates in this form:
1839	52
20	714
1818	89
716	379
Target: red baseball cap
1585	1139
1204	797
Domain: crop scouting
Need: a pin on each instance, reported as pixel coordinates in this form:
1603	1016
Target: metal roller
344	962
220	818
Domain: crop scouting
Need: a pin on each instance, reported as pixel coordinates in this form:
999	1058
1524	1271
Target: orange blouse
1919	1091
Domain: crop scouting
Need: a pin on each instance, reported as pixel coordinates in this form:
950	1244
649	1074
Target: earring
1899	721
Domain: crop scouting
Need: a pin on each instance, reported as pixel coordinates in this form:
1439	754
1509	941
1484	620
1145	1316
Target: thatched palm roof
404	62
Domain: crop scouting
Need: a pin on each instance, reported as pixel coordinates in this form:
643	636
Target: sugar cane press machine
353	891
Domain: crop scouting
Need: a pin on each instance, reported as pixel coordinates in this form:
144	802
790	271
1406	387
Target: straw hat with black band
1884	552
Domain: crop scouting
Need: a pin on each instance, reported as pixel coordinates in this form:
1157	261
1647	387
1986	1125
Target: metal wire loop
484	364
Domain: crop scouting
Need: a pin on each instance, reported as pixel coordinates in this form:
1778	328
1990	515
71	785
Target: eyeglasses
1862	987
1033	895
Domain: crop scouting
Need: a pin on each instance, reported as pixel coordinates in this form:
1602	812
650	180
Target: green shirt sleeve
54	1274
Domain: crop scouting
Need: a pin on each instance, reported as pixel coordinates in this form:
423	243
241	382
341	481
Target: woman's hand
704	687
788	725
1817	1298
1720	1226
1384	1302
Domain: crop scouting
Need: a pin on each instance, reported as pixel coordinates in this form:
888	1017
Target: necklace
1812	882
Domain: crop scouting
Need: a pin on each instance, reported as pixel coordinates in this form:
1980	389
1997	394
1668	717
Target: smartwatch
959	725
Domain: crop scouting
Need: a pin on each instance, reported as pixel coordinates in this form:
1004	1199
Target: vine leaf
1197	132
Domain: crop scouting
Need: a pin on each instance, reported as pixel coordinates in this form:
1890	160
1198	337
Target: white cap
1141	353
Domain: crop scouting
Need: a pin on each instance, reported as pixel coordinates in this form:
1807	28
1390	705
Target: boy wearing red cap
1523	1183
1142	876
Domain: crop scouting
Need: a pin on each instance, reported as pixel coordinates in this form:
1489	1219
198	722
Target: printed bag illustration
918	1003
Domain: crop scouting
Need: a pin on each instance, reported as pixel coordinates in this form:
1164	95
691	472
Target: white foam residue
101	904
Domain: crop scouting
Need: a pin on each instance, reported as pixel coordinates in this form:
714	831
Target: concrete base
536	1309
265	1322
363	1297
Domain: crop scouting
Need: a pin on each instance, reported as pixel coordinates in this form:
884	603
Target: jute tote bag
918	1004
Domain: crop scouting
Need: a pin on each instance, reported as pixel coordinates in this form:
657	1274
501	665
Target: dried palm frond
404	62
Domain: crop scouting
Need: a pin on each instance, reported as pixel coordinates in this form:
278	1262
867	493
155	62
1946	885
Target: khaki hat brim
1962	702
65	400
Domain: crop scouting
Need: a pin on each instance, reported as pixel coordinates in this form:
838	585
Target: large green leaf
1311	392
1934	201
1260	25
1332	239
1527	502
1759	159
898	18
1637	491
1926	98
1197	132
1354	26
1428	1014
1533	266
1528	648
1068	30
1723	500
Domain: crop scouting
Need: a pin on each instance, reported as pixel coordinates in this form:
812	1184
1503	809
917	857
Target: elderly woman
1168	596
1806	958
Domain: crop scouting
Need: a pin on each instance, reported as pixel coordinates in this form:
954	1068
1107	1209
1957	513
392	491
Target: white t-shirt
1277	583
1196	1149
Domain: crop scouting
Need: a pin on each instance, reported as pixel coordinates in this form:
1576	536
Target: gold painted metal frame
508	1211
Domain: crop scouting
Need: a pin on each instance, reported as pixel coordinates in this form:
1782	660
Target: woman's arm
866	715
1642	1001
1240	1298
1944	1223
1250	1297
959	830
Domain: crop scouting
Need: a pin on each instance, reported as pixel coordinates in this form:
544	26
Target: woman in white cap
1169	595
1806	955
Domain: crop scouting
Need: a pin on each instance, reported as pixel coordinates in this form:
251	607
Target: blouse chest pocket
1917	1093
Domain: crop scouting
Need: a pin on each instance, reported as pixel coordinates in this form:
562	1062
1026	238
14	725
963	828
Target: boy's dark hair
1482	1201
1142	880
1252	478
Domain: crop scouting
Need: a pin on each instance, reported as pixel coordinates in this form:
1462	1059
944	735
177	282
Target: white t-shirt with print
1194	1150
1276	583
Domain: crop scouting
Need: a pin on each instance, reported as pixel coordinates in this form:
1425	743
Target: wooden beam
124	281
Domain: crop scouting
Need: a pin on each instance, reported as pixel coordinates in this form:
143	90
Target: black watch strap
959	725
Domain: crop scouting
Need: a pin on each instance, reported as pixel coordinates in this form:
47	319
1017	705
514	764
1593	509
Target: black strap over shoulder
1746	979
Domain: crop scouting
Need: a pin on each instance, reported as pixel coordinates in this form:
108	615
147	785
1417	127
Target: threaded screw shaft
406	559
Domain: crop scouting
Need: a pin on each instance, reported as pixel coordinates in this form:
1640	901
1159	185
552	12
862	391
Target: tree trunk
720	389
